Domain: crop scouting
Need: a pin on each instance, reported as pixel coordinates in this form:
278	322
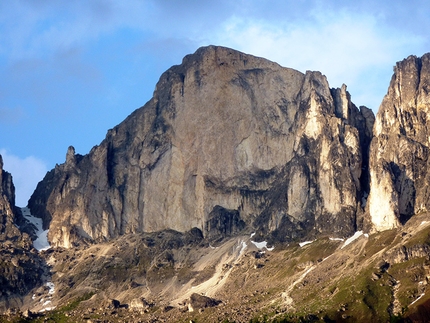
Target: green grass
421	238
409	274
380	240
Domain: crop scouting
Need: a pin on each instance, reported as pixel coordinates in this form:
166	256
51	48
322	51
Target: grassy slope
374	279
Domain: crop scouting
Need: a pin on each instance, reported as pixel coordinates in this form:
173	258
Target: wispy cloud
66	63
26	173
11	115
343	45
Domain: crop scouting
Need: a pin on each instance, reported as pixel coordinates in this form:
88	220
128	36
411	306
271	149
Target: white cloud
41	29
26	173
344	46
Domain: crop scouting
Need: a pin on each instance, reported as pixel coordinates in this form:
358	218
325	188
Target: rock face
8	229
18	257
399	153
228	142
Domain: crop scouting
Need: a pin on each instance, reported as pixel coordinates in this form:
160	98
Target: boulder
197	302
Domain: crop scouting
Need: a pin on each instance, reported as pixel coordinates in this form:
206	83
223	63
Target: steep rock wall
229	141
18	257
399	152
7	205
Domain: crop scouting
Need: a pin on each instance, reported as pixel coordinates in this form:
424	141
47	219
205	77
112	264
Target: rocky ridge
228	143
399	153
18	257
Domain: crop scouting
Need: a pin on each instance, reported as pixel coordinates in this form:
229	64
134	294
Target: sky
71	70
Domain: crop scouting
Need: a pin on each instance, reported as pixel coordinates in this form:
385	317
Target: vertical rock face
7	189
17	254
7	204
399	153
229	141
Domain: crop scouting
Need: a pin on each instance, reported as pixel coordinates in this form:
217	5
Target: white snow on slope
336	239
46	303
46	299
51	288
47	308
242	250
41	243
261	245
356	235
301	244
417	299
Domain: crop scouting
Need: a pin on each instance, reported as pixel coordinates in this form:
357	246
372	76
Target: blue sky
71	70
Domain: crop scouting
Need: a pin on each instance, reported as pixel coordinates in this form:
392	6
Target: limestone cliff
228	142
18	257
399	153
8	228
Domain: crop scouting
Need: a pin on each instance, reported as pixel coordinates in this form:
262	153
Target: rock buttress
399	151
277	149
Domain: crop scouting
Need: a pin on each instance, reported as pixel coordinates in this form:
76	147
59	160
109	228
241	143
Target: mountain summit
228	143
400	149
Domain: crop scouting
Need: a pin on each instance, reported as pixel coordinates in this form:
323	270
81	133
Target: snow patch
301	244
336	239
356	235
424	222
417	299
252	234
51	287
41	243
261	245
242	250
48	298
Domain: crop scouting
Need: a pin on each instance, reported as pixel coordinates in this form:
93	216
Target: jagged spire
71	156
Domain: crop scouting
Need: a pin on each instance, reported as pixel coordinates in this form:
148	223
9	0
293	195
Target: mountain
18	257
229	143
399	158
242	191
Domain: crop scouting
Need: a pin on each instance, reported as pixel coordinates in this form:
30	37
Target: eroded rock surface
399	153
18	257
228	142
